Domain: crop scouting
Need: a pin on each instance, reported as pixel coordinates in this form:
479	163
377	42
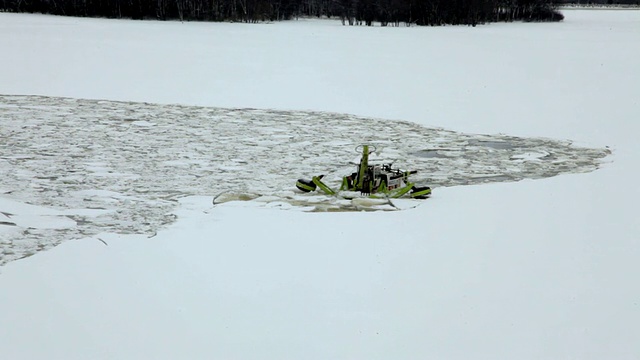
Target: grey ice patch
124	165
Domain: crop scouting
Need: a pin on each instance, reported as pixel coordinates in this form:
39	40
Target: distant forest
351	12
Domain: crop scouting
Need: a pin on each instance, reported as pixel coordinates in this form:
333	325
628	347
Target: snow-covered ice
135	160
487	268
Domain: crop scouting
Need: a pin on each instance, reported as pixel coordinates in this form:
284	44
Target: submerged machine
377	181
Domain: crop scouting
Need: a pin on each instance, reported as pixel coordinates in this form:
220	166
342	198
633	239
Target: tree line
351	12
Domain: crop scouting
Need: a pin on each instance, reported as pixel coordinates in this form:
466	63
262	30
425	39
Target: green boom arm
364	164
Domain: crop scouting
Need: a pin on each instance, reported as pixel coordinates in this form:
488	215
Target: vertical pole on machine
364	163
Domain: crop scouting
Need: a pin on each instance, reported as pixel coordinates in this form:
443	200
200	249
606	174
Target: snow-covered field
545	267
600	7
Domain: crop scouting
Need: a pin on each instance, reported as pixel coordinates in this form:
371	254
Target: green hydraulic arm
364	164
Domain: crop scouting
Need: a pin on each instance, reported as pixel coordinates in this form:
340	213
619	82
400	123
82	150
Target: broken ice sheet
123	166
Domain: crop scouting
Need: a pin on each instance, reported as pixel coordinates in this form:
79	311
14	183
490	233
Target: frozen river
105	166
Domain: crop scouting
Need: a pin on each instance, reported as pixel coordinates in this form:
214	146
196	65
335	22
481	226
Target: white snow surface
534	269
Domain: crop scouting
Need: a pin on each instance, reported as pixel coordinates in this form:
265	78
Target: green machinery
371	180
